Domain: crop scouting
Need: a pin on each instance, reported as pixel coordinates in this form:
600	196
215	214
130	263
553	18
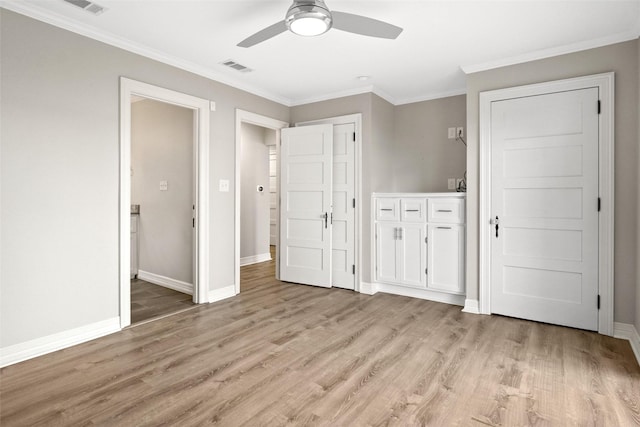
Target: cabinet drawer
446	210
413	210
388	209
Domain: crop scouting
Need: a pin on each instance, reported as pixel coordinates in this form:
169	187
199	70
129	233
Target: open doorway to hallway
258	195
163	201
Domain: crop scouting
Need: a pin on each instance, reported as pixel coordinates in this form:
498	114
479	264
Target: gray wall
254	206
59	178
162	150
637	323
425	157
621	58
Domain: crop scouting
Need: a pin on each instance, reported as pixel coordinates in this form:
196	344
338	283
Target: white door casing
532	200
201	109
305	189
343	209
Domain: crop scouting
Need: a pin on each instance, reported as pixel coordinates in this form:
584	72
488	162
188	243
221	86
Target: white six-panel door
343	219
544	241
306	192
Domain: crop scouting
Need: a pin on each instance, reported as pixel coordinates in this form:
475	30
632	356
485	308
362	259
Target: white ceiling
439	41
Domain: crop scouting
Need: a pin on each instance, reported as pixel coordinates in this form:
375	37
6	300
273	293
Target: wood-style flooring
286	354
149	301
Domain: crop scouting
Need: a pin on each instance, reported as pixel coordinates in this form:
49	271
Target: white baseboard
368	288
628	332
255	259
40	346
421	293
167	282
471	306
222	293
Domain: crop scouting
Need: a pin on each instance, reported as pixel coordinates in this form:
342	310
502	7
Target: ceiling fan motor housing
308	10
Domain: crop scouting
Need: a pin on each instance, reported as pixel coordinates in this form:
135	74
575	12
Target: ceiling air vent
238	67
90	7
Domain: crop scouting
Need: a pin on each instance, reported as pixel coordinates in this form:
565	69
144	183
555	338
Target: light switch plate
451	183
224	185
451	133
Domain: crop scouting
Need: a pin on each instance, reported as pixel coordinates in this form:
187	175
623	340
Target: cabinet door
387	252
412	254
446	258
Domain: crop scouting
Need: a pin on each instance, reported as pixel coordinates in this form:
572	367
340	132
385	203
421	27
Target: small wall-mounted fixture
260	188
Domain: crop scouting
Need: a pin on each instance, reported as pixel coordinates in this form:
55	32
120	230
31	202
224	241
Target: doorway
199	110
546	196
265	131
163	199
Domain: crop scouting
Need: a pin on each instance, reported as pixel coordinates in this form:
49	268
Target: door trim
605	84
201	109
243	116
357	120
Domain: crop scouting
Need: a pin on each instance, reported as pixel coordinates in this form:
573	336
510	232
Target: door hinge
599	106
598	302
353	269
354	202
426	240
193	222
599	204
354	137
426	271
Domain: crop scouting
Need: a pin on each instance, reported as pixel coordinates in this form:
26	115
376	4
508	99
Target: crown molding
432	96
555	51
332	95
57	20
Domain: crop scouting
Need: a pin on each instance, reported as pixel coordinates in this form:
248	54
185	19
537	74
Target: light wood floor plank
286	354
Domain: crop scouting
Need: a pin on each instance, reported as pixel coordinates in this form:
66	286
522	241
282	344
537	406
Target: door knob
495	222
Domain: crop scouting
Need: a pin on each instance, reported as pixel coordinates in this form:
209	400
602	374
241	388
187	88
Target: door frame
355	118
605	84
243	116
201	109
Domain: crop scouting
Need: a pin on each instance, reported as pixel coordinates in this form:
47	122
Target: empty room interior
340	213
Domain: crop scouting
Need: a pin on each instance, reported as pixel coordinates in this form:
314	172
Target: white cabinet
401	253
420	242
445	269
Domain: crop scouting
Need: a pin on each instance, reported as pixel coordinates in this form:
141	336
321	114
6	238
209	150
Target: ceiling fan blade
265	34
362	25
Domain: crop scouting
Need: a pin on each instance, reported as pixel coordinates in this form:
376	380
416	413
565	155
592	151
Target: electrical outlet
164	185
459	132
451	133
224	185
451	183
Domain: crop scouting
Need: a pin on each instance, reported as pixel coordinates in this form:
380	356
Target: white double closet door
317	211
544	202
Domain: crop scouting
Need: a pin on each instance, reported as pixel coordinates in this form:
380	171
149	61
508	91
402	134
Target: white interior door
305	189
343	219
544	201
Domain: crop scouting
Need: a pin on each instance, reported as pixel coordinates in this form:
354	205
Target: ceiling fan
313	17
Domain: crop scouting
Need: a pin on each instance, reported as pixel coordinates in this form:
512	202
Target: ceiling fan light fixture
308	19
